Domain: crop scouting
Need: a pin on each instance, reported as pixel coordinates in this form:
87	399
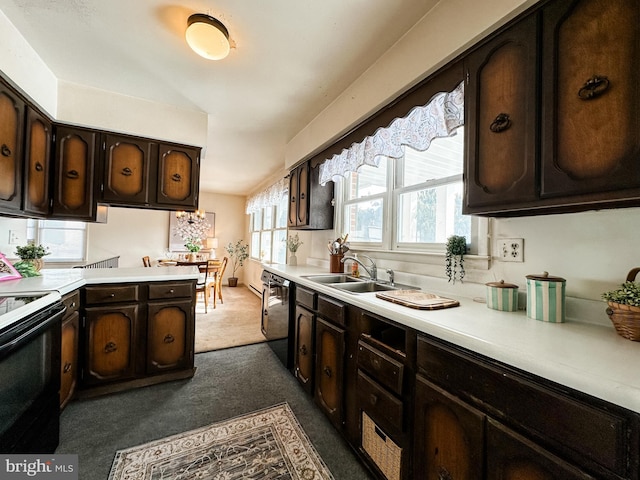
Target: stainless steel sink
369	286
333	278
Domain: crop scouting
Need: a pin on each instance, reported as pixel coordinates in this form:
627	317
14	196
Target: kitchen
592	250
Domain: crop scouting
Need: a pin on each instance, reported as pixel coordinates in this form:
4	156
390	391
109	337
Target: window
269	231
412	203
65	240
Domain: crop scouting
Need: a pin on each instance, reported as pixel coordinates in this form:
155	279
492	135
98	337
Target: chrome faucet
372	270
391	277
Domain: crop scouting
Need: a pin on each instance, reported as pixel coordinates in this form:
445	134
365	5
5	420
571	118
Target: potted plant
624	307
238	253
193	245
456	248
293	243
32	253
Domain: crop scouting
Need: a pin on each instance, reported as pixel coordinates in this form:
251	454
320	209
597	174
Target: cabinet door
303	356
448	436
110	343
293	198
69	365
74	189
329	369
126	170
170	330
302	209
501	109
37	169
591	100
178	174
513	457
11	127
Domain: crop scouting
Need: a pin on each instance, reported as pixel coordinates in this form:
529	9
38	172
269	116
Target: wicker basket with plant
624	307
32	254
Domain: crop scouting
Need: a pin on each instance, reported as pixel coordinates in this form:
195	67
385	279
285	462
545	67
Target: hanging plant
456	248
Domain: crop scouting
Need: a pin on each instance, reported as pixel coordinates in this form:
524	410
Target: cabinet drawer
306	297
170	290
577	430
382	406
331	309
111	294
380	366
72	302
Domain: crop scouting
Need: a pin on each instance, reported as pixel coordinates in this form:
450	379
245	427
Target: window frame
36	227
268	258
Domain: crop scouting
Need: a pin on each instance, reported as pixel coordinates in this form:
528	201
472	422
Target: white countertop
591	358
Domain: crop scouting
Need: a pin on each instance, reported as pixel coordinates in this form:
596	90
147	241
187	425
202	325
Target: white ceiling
291	59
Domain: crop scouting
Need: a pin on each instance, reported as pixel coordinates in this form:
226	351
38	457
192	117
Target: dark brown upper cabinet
11	159
74	192
310	204
500	103
178	176
37	166
127	163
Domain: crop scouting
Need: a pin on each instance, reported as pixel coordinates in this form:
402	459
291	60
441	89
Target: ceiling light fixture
207	36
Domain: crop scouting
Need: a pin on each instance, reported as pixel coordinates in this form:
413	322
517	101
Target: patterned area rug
267	444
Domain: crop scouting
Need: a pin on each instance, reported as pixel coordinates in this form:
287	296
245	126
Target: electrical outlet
14	238
511	249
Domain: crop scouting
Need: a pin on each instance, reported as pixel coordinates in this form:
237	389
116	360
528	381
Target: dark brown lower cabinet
303	356
69	348
330	344
169	338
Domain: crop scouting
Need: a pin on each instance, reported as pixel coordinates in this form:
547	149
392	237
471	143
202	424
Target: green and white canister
545	298
502	296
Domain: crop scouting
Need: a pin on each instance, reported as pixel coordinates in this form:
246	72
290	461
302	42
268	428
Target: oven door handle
31	330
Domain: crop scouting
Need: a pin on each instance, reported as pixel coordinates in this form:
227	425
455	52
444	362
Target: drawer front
112	294
381	367
579	431
72	302
306	297
331	309
170	290
382	406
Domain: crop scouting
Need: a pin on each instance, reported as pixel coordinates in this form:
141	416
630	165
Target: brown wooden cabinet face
169	335
330	344
74	188
178	170
37	163
448	436
501	113
304	352
513	457
110	342
69	366
11	127
303	195
591	102
293	198
126	170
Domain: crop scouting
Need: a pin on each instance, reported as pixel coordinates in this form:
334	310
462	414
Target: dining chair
146	261
216	286
202	282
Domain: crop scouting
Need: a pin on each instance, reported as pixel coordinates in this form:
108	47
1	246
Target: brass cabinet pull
38	167
6	151
67	368
168	338
293	199
327	371
303	349
73	174
593	87
373	399
443	474
176	177
110	347
126	171
301	195
501	123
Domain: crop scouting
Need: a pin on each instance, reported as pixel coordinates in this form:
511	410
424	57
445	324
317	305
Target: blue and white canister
502	296
545	298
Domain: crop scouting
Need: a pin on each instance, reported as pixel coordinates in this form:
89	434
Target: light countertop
587	357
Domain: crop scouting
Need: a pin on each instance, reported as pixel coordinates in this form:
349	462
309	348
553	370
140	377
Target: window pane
265	246
255	245
267	222
257	221
65	245
363	221
282	211
442	159
432	215
279	246
367	181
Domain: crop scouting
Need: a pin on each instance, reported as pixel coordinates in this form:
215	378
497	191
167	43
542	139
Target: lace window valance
438	118
268	197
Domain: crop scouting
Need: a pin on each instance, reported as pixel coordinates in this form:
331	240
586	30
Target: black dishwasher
277	315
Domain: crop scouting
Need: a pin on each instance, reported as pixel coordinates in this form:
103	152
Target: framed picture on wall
176	243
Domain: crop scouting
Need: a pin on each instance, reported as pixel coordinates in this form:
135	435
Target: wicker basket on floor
626	318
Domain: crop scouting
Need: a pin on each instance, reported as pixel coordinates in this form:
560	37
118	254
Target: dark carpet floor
227	383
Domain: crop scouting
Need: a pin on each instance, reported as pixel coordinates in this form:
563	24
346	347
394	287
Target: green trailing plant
456	248
238	253
26	269
627	294
31	251
194	245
